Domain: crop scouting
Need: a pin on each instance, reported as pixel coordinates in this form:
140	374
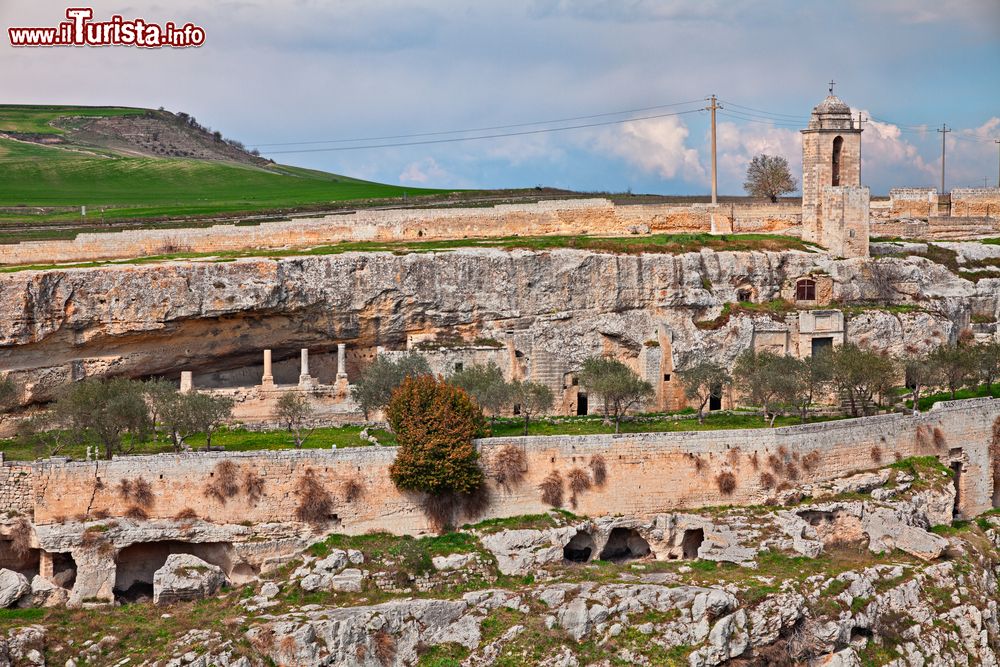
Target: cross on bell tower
831	86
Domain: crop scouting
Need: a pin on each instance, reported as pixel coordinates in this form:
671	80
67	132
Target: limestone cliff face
140	320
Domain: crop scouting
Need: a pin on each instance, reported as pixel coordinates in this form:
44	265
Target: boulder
13	586
186	577
46	594
452	561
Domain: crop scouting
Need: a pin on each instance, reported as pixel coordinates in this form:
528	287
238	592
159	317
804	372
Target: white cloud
654	146
738	144
425	171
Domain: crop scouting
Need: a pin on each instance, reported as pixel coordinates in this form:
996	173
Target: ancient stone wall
17	488
937	228
646	473
975	202
912	202
579	216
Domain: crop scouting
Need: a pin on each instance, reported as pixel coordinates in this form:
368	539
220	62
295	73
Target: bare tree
769	176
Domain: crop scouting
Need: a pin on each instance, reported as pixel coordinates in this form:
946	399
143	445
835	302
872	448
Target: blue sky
299	70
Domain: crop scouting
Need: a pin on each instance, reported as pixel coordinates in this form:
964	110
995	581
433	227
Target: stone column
305	380
340	385
187	383
341	361
267	380
46	569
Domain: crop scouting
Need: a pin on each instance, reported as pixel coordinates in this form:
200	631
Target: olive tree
486	384
862	376
106	412
701	380
374	388
533	398
294	411
617	385
766	379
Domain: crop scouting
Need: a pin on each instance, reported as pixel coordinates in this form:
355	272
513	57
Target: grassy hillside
38	178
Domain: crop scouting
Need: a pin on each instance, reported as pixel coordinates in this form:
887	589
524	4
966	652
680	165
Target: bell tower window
838	146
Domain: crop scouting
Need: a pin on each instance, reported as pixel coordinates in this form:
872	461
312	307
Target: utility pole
944	132
713	105
860	121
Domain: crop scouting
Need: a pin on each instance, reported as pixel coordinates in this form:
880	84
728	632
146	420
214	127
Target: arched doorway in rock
580	548
625	544
691	542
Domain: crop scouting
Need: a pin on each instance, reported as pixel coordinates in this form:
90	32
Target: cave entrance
581	404
625	544
137	564
63	570
715	399
693	537
580	548
17	558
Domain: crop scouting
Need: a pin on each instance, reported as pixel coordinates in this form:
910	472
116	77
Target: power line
485	136
482	129
770	123
770	113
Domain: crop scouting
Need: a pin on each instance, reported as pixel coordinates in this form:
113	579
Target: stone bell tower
835	206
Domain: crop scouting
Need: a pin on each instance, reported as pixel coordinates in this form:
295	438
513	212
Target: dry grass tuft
754	462
137	513
699	464
579	481
352	489
810	461
136	491
552	489
253	485
101	514
186	514
443	510
876	454
924	437
792	471
508	465
726	481
20	537
776	465
767	480
384	647
315	502
598	469
940	442
225	482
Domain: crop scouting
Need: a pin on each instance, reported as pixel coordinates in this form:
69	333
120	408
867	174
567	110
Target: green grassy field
36	119
130	187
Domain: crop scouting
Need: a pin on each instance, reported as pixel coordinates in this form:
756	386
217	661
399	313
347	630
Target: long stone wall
647	473
579	216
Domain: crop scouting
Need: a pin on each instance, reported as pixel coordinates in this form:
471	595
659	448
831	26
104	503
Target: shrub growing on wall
434	424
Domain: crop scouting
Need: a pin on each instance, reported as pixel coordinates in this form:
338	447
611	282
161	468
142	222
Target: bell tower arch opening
838	148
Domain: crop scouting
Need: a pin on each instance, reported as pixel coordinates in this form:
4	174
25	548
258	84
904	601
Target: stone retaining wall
646	473
577	216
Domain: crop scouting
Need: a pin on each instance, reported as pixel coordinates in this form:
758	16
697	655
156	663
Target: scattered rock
186	577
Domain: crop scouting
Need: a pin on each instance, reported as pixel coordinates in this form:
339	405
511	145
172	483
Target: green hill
140	164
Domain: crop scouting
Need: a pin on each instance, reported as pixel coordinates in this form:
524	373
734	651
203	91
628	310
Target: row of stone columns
306	380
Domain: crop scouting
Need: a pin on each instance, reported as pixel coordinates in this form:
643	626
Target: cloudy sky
310	70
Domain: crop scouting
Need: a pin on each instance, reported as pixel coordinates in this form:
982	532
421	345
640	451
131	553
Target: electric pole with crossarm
713	105
944	132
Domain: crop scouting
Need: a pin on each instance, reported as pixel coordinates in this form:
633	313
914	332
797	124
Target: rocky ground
867	570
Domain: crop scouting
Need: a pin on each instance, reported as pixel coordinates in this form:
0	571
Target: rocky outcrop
13	586
186	577
62	324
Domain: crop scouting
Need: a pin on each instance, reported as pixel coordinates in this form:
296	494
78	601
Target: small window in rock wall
805	290
458	367
666	377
